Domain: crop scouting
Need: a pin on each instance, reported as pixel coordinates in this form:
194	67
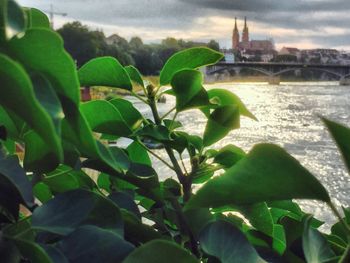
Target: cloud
301	23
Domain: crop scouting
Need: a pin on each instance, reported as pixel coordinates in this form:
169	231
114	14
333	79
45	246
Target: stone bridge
273	70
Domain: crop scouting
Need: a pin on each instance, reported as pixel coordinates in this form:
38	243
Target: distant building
257	50
290	51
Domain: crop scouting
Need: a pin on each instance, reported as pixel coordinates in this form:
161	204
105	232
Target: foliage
52	211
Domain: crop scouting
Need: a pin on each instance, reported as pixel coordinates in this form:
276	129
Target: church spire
235	36
245	35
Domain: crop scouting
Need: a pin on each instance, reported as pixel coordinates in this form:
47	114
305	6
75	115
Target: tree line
84	44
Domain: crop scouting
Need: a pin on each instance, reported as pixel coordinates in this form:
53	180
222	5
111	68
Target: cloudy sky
297	23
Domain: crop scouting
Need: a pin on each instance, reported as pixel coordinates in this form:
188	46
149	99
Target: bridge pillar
274	80
344	82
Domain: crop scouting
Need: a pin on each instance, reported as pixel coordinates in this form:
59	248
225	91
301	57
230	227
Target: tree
80	42
135	43
213	45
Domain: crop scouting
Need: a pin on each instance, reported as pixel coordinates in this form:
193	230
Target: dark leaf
90	244
225	242
67	211
160	251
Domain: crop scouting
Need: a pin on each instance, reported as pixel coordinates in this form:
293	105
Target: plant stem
139	97
156	155
166	114
183	220
346	256
185	181
172	121
341	219
183	164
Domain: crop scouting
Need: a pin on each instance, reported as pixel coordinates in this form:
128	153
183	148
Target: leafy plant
52	211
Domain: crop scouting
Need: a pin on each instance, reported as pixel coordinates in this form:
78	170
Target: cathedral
246	44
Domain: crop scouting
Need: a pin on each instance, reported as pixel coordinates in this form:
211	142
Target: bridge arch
308	68
265	72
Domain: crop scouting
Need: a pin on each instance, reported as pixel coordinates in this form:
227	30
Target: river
288	116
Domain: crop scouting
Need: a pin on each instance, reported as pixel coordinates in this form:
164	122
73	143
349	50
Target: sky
303	24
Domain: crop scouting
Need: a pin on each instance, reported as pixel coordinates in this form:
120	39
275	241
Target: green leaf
137	232
157	132
138	154
90	244
32	251
104	71
197	219
220	123
341	135
11	129
172	124
103	117
188	89
267	173
67	211
225	97
315	246
227	243
229	155
160	251
15	188
129	113
42	192
39	157
55	254
135	75
41	50
48	99
17	89
279	242
125	201
12	19
64	178
36	18
259	217
188	59
76	131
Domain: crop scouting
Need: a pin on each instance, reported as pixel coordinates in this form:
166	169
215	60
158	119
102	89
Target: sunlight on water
288	116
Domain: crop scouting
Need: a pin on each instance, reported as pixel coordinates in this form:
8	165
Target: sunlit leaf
188	59
188	89
36	18
104	71
135	75
220	123
103	117
267	173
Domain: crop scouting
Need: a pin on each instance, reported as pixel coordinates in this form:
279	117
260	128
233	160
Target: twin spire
245	35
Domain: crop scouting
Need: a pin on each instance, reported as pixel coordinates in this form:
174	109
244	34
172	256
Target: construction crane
52	13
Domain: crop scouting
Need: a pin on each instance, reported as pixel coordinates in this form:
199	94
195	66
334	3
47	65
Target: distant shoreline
260	79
